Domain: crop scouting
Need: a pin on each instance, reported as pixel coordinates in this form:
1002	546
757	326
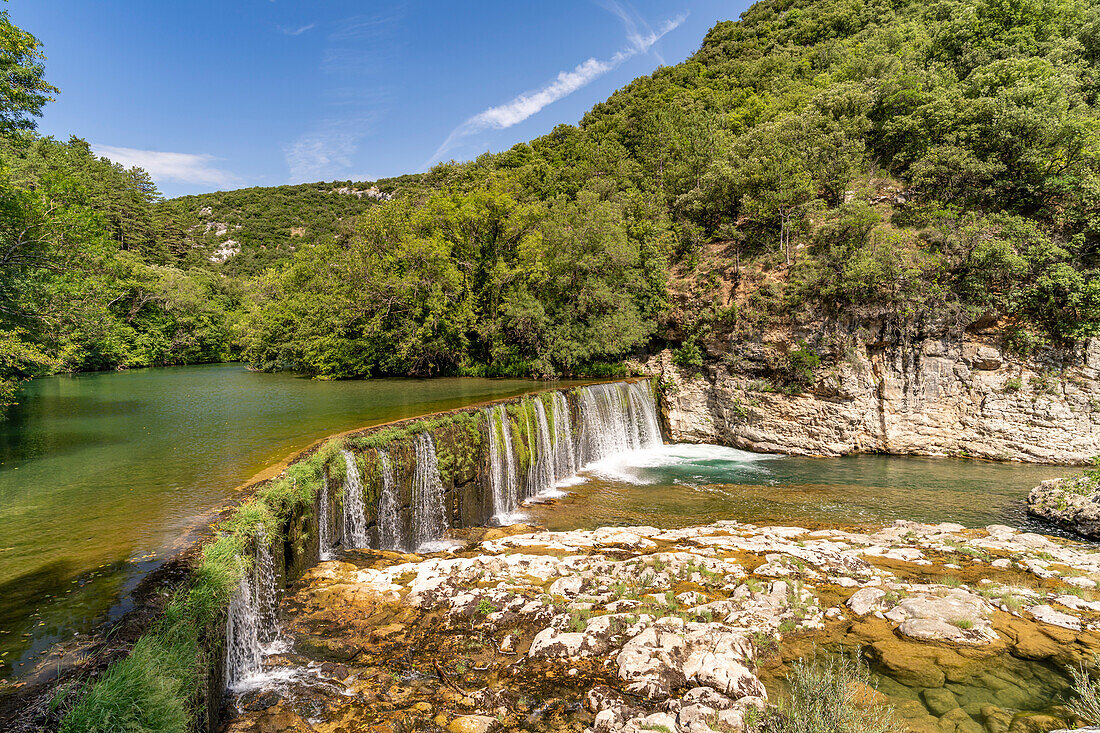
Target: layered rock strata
934	397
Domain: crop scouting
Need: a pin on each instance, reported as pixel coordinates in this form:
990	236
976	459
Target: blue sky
210	95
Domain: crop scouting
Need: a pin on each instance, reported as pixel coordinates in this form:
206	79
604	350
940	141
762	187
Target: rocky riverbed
643	629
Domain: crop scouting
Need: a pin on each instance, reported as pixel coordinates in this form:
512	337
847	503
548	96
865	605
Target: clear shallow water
99	472
682	485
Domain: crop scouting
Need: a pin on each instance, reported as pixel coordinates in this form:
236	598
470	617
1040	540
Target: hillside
911	167
250	229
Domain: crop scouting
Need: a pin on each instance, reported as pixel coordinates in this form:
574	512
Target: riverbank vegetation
911	165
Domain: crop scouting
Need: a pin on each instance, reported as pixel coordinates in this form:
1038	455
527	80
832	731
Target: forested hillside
918	165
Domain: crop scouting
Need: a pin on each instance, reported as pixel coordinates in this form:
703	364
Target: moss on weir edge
160	686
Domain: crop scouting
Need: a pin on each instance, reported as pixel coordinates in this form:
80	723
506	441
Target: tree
23	89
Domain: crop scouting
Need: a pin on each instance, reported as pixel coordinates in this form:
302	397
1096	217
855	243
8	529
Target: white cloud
327	152
640	38
297	31
162	166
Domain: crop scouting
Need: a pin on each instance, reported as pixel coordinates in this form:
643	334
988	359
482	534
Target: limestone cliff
938	396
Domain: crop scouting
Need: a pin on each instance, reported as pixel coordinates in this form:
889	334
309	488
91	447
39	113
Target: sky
220	94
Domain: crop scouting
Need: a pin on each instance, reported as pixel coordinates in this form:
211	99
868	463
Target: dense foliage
892	163
86	278
266	224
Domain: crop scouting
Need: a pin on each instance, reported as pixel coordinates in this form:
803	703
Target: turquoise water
100	472
684	485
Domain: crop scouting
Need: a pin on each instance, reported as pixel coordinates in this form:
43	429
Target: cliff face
939	396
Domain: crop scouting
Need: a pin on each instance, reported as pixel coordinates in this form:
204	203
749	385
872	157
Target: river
100	472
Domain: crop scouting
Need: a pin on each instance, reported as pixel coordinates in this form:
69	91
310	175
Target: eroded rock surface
643	629
935	397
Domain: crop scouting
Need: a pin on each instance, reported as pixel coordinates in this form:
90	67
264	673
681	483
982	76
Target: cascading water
540	475
355	520
616	418
243	653
267	594
429	510
324	526
565	456
502	464
252	627
390	532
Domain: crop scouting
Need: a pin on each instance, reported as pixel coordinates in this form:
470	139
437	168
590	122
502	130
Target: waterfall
324	526
390	531
267	593
355	520
502	463
616	418
243	654
429	511
540	474
252	627
565	457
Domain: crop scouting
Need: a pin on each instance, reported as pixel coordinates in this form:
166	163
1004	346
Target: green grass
1085	703
156	688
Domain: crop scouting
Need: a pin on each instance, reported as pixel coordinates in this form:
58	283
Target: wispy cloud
640	38
327	151
162	166
290	31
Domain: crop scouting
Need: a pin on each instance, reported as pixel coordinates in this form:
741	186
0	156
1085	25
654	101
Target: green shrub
828	695
1086	689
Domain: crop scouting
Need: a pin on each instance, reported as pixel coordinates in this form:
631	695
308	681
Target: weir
449	471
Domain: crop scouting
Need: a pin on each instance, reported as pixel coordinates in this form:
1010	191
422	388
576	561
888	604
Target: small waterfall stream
429	510
502	464
324	526
391	535
565	455
355	520
243	654
252	626
541	473
616	418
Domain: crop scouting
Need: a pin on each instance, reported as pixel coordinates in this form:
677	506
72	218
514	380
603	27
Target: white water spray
355	520
429	510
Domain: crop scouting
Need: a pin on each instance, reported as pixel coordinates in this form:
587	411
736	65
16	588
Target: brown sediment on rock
639	628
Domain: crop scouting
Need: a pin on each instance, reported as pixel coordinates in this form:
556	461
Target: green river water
100	472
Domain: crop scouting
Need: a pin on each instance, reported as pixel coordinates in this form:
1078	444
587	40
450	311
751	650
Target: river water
683	485
100	472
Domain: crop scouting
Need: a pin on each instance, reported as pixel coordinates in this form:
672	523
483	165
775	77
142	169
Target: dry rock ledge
687	630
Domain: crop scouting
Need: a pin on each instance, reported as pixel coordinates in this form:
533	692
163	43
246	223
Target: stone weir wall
416	479
937	396
408	486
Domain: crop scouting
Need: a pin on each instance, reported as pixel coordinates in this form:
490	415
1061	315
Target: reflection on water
682	485
99	471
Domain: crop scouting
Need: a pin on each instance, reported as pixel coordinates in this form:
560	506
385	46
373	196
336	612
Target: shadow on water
32	620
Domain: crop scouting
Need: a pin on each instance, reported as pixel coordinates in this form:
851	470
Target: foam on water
688	463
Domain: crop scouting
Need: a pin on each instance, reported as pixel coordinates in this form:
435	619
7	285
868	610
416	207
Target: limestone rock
957	616
942	396
1051	501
